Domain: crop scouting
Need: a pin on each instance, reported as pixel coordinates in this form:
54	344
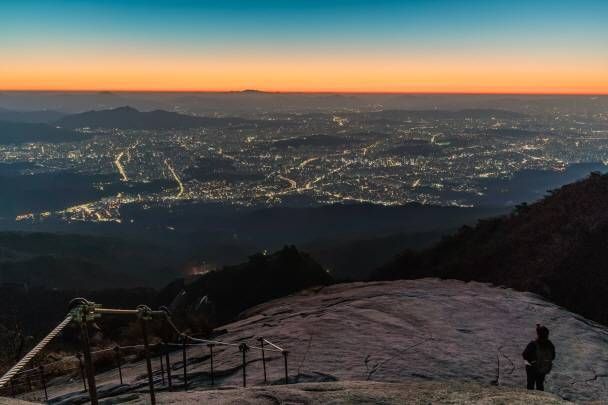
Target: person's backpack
544	359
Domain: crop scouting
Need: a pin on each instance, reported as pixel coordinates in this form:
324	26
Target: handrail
280	349
207	341
83	311
32	353
217	342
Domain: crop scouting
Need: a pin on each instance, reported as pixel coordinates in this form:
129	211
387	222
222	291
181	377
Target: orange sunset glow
307	76
350	46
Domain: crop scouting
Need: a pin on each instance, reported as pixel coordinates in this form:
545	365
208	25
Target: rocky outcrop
358	393
428	330
556	247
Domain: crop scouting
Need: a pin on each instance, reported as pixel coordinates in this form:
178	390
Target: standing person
539	356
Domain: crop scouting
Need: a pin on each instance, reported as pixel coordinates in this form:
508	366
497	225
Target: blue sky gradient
232	29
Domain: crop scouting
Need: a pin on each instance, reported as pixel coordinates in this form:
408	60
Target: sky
408	46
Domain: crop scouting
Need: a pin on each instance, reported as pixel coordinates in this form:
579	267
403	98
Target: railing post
118	363
144	329
162	367
88	361
244	348
81	366
285	353
168	363
261	339
210	346
184	361
43	381
12	388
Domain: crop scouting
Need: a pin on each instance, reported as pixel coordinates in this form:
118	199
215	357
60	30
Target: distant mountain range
556	247
238	102
53	127
130	118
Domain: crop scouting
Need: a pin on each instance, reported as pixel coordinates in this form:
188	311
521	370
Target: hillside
130	118
261	278
355	260
426	333
556	247
81	262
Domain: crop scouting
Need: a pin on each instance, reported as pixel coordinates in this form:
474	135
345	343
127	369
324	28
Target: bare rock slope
364	393
465	337
429	330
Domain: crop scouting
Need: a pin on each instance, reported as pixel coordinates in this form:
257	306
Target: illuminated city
379	157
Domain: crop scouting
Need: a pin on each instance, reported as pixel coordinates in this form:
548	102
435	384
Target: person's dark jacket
530	353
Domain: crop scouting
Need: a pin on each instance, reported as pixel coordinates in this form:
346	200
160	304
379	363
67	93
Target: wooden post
210	345
81	366
285	353
244	348
162	367
88	362
168	363
184	360
119	363
263	358
144	330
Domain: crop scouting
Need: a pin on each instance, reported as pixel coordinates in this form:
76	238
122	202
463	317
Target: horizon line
178	91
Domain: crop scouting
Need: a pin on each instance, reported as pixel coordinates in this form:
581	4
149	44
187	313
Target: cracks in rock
370	371
596	376
499	353
269	397
305	354
508	359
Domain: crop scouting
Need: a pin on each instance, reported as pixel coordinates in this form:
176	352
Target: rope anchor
83	312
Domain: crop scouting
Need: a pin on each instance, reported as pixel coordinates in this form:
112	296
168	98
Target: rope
213	342
129	347
217	342
170	322
109	349
17	369
273	345
41	345
187	344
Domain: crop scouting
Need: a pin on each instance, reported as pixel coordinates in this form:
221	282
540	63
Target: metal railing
19	381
